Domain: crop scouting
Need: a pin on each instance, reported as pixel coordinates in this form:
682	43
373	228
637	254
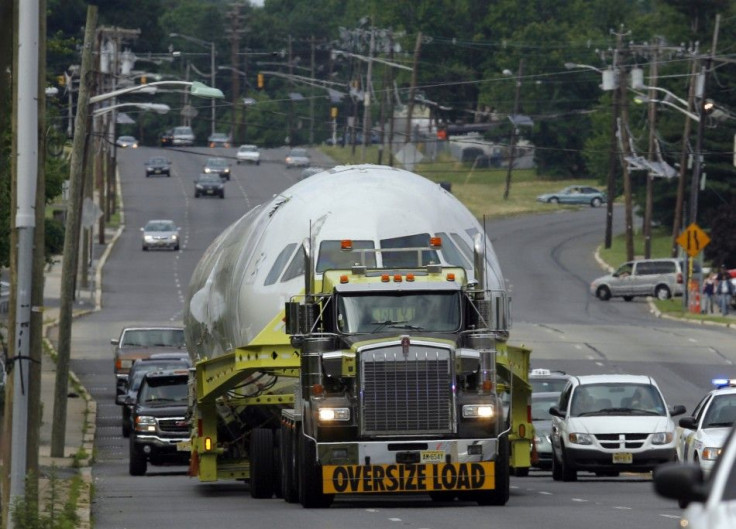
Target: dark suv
159	421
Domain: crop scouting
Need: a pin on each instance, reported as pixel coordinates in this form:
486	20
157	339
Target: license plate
210	191
623	458
433	456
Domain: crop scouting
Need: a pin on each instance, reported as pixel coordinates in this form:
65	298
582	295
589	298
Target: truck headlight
145	423
334	414
478	411
580	438
662	438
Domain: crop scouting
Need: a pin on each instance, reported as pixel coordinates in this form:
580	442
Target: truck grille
173	425
406	394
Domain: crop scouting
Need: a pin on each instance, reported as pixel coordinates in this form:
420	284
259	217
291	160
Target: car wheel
137	465
258	162
145	248
222	195
176	248
662	292
628	298
595	202
603	293
196	195
553	200
568	473
556	469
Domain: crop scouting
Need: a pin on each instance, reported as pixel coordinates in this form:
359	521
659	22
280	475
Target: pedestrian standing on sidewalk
724	288
709	286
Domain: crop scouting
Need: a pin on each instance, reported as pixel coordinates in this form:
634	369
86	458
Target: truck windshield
416	311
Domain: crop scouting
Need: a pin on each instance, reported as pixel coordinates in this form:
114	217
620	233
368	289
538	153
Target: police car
700	437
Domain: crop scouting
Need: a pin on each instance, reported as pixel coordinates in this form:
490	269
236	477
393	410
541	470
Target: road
548	263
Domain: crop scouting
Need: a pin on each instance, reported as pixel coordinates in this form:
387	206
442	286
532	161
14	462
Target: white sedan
700	437
248	154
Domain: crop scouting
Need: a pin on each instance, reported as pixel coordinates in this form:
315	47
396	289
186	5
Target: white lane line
623	508
544	493
673	516
394	519
580	500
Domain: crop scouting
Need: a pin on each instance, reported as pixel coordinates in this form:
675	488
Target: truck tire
500	495
137	463
310	476
261	463
289	486
276	469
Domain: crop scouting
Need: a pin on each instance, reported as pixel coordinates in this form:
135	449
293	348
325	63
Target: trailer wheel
310	478
289	487
137	463
276	470
261	463
499	496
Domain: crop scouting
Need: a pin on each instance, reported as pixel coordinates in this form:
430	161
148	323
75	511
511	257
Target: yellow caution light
522	430
344	279
435	242
346	244
487	386
398	278
410	277
450	276
207	444
385	278
318	390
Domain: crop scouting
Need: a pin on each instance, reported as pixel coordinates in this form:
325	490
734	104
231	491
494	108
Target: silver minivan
183	136
661	278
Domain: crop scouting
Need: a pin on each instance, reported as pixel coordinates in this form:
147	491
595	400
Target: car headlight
662	438
145	423
580	438
711	453
226	170
198	186
478	411
207	170
174	237
334	414
147	238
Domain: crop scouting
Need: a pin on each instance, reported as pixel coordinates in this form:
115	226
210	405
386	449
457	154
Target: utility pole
613	154
389	93
25	220
367	95
512	143
623	131
311	92
71	241
649	201
235	77
412	89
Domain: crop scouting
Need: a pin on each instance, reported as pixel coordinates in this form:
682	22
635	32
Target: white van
661	278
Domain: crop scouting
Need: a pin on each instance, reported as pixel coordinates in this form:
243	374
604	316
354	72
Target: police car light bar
724	382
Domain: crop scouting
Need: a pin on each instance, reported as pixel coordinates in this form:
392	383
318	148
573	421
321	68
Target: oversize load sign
349	479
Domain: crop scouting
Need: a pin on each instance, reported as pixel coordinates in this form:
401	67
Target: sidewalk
81	412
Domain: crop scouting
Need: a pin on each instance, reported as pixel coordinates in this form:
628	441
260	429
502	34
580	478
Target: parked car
158	165
297	157
661	278
3	381
182	136
609	424
219	166
575	195
218	139
127	394
160	233
127	141
700	437
542	421
167	138
248	154
159	421
708	500
209	184
135	343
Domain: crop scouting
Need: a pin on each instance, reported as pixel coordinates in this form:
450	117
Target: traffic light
143	79
260	81
61	79
333	112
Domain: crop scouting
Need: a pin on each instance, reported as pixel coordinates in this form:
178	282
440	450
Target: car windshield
541	406
153	338
616	399
427	311
158	161
248	148
209	178
548	384
170	389
160	226
216	162
721	412
298	152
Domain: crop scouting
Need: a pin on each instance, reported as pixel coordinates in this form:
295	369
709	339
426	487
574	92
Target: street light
213	70
195	88
159	108
642	98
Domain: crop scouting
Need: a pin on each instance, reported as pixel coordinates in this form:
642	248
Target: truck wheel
261	463
126	426
499	496
276	469
289	487
137	464
310	478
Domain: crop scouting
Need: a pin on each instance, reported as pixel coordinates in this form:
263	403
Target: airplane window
451	253
279	264
331	256
296	266
464	246
407	259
